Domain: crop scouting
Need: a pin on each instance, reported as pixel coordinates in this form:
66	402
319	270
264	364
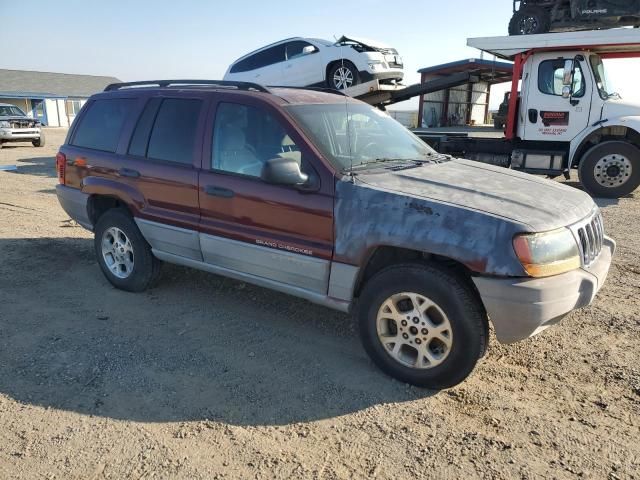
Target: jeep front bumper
522	307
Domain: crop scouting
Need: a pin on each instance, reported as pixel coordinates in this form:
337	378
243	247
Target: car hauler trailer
564	115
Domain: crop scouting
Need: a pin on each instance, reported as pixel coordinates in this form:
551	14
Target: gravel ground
204	377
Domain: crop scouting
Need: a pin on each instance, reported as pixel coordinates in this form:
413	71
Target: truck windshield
10	110
352	135
600	75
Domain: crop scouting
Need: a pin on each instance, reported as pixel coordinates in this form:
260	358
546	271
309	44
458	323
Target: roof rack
187	83
315	89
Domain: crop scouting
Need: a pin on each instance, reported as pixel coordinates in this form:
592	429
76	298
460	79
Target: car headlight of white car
549	253
5	124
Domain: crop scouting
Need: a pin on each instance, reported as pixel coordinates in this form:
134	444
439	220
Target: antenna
346	107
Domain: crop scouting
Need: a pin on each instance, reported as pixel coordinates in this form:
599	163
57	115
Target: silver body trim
170	239
306	272
314	297
342	281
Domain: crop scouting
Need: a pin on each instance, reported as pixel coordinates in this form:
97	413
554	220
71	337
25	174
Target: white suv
311	62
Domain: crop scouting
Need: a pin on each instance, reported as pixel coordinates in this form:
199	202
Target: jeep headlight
5	124
547	254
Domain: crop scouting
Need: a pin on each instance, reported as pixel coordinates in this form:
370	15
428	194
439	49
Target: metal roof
36	95
600	41
20	83
489	71
466	65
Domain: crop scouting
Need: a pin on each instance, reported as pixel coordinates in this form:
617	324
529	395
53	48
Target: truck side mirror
567	77
566	91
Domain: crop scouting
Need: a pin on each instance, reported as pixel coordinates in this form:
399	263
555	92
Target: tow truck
561	113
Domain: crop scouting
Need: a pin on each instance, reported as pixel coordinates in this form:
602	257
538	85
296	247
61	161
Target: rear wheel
123	254
342	74
422	325
529	21
610	169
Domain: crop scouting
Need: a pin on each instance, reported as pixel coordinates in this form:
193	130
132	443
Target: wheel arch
605	134
383	256
98	205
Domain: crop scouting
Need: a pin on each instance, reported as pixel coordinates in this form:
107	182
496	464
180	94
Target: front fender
631	122
367	218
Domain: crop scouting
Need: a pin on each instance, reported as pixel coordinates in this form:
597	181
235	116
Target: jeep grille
591	237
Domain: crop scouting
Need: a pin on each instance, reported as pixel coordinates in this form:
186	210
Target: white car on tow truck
312	62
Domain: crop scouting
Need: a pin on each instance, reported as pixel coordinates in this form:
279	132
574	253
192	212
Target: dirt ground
206	378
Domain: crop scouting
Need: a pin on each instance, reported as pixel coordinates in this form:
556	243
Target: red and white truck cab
562	114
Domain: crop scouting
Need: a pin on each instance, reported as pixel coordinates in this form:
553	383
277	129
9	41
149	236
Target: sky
142	39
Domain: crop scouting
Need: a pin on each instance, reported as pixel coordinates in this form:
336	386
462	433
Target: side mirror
566	91
567	77
283	171
308	49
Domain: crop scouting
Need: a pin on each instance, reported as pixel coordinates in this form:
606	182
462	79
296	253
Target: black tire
348	66
462	307
146	267
40	142
530	21
498	125
624	160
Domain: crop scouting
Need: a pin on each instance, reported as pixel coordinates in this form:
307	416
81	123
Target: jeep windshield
357	135
11	111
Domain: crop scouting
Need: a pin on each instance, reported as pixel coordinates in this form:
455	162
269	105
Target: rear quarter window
101	125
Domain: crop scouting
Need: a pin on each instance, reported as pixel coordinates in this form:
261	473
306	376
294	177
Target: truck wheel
610	169
343	74
123	254
529	21
40	142
422	325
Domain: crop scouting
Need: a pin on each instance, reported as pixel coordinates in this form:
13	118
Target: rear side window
174	130
261	59
101	125
140	138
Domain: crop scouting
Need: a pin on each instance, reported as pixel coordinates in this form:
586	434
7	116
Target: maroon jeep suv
321	196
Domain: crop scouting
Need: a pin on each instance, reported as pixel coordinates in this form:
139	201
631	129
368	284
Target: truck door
550	114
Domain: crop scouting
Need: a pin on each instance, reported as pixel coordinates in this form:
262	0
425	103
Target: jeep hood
537	203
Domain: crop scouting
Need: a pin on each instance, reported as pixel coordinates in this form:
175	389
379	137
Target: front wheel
422	325
123	254
610	169
343	74
39	142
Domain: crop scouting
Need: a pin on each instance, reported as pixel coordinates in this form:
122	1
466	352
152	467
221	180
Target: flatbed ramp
381	95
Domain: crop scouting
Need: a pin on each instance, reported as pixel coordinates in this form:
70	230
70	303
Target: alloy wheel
117	252
414	330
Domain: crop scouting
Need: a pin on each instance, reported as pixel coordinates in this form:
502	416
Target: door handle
533	115
127	172
218	192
